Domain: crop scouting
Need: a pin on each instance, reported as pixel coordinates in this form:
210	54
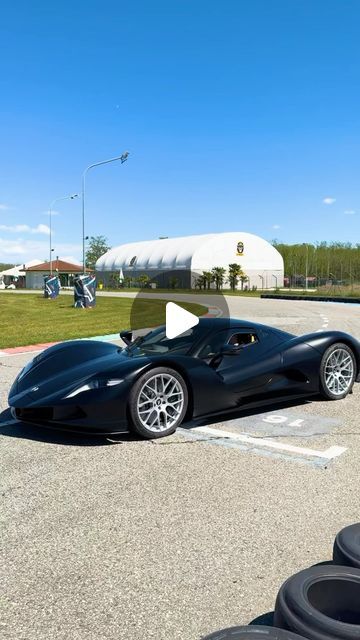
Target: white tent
14	272
260	261
17	271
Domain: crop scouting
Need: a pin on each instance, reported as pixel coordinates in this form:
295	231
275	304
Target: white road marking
325	322
329	454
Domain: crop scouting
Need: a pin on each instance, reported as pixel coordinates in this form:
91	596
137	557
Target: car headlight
95	384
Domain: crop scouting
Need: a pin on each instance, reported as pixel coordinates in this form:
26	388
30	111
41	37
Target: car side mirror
230	350
126	336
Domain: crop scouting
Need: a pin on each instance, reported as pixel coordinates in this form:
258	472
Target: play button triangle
178	320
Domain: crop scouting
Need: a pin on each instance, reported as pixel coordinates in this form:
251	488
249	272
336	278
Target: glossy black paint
278	365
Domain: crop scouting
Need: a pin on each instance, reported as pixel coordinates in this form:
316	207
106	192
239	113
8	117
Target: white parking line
328	454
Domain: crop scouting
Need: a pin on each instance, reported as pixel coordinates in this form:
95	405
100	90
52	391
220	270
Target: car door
251	369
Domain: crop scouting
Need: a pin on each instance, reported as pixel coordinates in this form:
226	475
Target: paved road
175	538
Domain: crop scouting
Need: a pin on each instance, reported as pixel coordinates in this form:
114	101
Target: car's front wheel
158	402
337	371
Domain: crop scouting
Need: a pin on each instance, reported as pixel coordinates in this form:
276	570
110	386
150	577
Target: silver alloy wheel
339	372
160	402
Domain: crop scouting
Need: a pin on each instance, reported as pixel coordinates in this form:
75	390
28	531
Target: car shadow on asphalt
245	413
15	429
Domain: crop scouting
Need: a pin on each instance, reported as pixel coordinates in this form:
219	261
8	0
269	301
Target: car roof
228	323
238	323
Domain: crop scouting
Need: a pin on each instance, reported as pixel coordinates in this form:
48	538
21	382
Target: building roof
201	252
61	265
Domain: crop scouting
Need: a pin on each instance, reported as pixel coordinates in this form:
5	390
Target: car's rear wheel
158	402
337	371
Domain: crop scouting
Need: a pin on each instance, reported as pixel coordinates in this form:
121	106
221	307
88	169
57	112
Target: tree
143	279
4	266
235	274
208	278
173	282
218	274
234	269
98	245
243	279
319	260
114	281
200	282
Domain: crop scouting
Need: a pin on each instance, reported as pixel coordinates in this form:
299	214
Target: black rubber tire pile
319	603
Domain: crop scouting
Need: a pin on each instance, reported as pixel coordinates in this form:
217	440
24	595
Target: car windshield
157	342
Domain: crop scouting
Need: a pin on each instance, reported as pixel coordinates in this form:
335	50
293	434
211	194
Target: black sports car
154	383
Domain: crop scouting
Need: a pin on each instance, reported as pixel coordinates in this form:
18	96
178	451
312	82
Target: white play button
178	320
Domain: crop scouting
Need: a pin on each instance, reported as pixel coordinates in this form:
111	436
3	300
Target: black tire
254	632
321	603
178	412
347	547
325	391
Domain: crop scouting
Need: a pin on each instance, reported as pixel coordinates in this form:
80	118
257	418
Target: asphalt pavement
175	538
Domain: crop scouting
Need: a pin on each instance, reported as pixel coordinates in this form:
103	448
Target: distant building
189	256
65	270
15	276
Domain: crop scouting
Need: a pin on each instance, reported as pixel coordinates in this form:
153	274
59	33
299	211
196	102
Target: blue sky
240	114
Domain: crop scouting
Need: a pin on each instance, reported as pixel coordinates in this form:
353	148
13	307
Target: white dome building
189	256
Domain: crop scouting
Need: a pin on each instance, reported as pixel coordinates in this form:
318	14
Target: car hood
63	366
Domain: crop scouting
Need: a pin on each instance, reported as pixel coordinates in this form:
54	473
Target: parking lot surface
171	539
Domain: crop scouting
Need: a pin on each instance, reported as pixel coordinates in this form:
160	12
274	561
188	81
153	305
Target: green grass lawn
330	292
31	319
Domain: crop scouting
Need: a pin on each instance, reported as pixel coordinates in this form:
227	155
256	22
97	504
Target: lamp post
72	197
123	159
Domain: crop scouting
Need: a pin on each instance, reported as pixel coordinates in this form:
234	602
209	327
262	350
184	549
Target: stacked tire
319	603
347	547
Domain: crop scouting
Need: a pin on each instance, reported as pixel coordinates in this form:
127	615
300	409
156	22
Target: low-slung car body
155	383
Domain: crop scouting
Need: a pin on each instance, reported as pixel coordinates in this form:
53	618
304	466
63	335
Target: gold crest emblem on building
240	249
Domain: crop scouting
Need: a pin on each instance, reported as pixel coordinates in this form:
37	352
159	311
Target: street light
72	197
122	159
306	266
